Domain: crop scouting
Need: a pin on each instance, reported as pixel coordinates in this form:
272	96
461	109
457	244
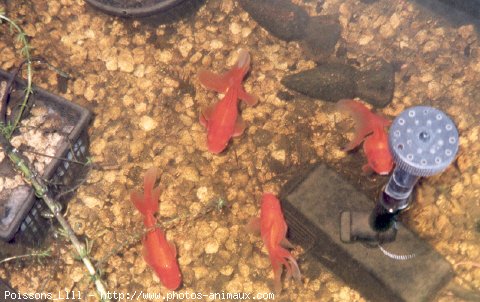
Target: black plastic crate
24	224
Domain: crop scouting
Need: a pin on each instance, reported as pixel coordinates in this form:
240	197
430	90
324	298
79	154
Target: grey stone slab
312	205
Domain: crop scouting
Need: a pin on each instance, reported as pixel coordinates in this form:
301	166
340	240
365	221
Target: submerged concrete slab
312	205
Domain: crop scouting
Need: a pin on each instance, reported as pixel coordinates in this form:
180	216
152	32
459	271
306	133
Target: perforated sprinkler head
423	142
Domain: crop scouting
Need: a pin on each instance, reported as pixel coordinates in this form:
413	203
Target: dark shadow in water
181	11
456	12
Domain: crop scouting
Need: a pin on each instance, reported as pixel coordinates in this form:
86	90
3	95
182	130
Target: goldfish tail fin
145	205
277	275
148	201
294	269
361	116
290	263
243	60
138	201
149	180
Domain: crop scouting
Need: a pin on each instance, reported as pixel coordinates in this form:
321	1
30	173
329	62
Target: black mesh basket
26	225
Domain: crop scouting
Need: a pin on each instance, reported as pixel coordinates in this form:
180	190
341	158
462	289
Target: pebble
79	86
365	39
227	270
147	123
244	270
185	47
125	61
92	202
190	173
111	63
211	247
216	44
235	28
279	155
200	272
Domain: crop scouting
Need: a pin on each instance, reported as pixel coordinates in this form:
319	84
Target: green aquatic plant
26	170
7	130
36	254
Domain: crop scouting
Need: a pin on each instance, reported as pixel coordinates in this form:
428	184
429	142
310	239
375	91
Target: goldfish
273	230
159	254
222	120
369	128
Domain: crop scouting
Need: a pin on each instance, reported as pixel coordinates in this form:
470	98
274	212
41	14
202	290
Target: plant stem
36	254
41	190
26	53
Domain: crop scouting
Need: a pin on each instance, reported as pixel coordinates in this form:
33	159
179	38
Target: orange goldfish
369	128
159	254
273	230
222	120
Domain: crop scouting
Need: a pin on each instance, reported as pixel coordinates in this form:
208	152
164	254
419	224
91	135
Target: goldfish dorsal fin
367	170
253	225
210	80
239	127
146	256
173	248
248	98
362	118
206	115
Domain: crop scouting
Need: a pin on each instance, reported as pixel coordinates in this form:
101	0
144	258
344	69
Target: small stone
190	173
216	44
211	247
125	61
200	272
457	189
184	47
184	260
196	57
112	63
92	202
279	155
394	21
127	100
221	234
89	93
431	46
147	123
466	31
168	208
227	270
79	87
164	56
77	274
364	40
235	28
139	71
202	194
387	31
244	270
